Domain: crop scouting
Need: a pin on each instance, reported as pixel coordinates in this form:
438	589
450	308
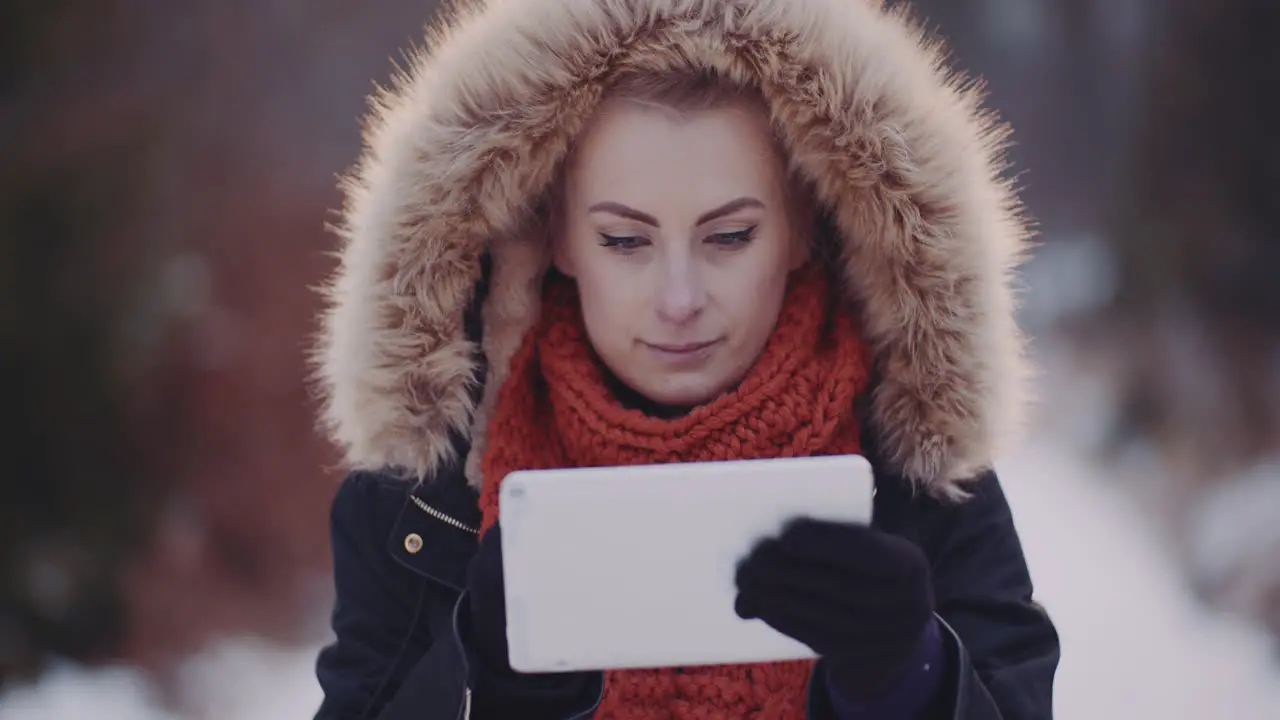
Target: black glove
500	691
860	598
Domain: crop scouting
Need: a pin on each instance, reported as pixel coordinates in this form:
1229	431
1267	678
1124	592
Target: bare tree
1193	333
168	169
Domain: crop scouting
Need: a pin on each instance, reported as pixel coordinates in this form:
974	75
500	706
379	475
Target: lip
682	354
682	348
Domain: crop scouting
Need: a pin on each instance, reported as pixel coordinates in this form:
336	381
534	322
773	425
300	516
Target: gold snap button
413	542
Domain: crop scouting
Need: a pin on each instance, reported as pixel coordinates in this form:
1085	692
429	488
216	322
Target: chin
688	394
679	399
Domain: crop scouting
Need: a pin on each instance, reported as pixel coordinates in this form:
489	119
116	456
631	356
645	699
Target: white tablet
633	567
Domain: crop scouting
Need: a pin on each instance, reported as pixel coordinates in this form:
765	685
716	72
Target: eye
733	239
622	242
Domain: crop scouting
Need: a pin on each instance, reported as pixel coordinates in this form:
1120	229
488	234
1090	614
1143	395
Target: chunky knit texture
556	410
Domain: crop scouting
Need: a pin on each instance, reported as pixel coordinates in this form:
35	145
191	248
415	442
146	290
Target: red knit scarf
556	411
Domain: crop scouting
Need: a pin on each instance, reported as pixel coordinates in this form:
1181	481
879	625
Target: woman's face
680	233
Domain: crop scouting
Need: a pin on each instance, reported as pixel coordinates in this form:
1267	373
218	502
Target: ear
557	227
802	211
801	248
561	257
804	228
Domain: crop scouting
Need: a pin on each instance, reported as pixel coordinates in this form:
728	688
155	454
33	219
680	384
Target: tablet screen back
633	567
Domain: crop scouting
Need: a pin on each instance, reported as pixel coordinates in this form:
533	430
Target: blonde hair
687	92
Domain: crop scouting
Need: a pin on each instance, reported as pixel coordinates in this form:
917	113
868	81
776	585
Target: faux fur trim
464	144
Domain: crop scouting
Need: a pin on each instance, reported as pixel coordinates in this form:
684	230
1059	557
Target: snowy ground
1135	645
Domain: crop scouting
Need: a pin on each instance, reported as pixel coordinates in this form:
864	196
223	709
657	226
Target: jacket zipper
466	698
591	711
448	520
443	517
466	706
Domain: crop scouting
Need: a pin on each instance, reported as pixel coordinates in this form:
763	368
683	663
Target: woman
594	232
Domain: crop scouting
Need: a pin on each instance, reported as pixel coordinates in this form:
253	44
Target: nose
683	294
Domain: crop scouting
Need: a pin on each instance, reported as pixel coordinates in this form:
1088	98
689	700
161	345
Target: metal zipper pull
442	517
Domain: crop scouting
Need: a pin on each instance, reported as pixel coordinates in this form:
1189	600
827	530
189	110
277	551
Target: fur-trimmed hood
460	150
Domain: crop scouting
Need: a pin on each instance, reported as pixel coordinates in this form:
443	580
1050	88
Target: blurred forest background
167	168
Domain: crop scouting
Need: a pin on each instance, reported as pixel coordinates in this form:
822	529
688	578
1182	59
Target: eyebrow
631	213
621	210
729	208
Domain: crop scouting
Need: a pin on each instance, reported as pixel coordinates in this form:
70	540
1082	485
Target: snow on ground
235	679
1135	644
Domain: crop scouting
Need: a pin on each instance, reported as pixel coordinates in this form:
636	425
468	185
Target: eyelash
735	238
627	243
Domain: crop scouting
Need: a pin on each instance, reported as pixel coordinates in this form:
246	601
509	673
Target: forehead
651	156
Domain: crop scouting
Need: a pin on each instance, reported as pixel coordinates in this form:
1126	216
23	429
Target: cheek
609	305
754	300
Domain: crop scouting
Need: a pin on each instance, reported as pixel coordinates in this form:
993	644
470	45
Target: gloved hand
860	598
500	691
